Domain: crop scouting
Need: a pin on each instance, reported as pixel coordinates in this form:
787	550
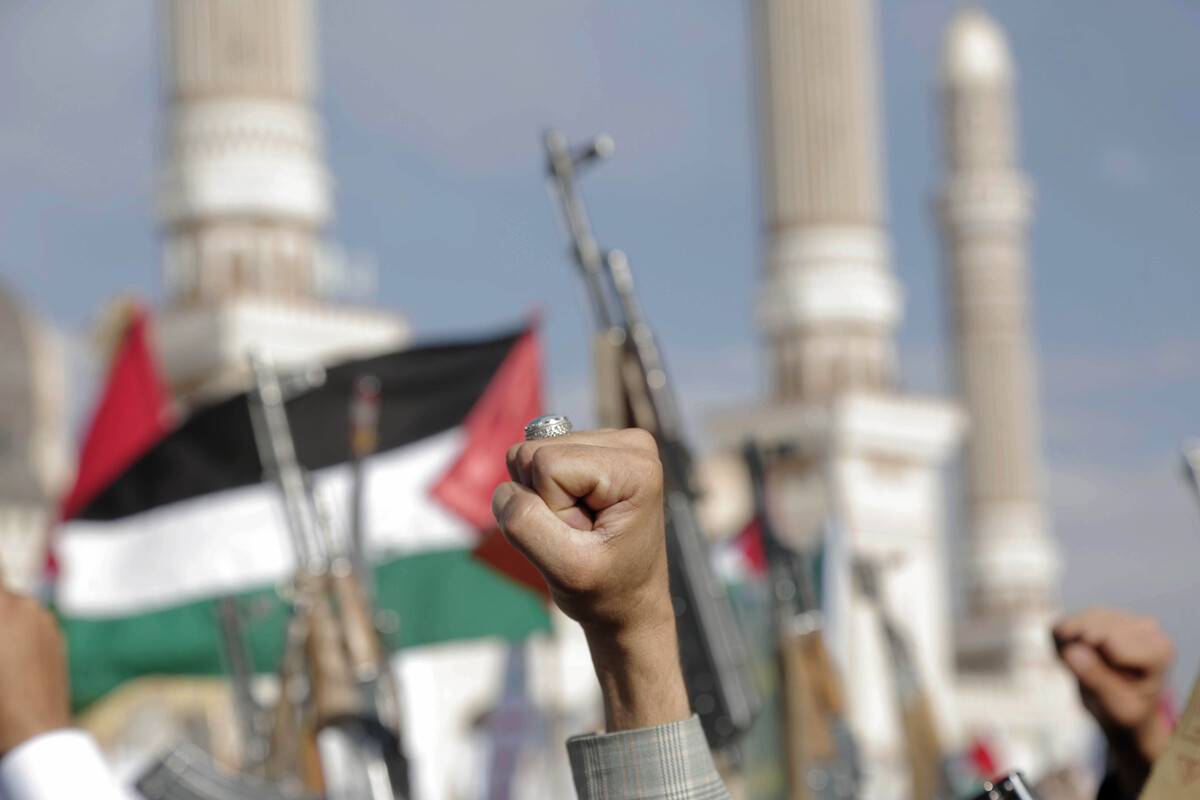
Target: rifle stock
924	749
927	771
357	624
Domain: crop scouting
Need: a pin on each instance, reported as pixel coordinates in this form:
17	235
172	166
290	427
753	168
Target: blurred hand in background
33	672
1121	662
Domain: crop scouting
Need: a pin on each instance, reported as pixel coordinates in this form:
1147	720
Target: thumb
529	524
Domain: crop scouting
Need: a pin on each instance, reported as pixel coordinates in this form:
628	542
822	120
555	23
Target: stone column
985	208
245	192
829	303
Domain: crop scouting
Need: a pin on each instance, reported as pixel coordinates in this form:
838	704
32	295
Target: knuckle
511	454
525	454
641	439
648	465
544	459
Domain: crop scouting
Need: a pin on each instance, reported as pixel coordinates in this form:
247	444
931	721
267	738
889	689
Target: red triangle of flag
982	759
497	422
749	543
134	412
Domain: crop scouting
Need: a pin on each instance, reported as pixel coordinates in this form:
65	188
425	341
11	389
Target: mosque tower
245	192
985	211
245	196
1009	564
862	470
829	303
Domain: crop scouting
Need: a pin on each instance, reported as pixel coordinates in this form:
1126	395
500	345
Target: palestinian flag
743	556
165	518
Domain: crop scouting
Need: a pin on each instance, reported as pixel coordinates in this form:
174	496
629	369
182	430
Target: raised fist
1121	662
587	510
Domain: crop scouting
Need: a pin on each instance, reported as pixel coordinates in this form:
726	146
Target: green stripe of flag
439	596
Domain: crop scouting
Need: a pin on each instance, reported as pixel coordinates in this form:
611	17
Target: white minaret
864	469
1013	692
829	303
245	192
244	198
1012	569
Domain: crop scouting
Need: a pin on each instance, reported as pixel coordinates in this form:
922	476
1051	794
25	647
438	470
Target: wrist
637	665
1150	740
1134	750
18	735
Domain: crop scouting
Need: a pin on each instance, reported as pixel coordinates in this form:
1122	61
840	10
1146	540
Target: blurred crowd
587	510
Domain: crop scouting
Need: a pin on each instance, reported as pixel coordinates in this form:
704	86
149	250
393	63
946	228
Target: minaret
863	463
244	199
1011	566
245	191
829	302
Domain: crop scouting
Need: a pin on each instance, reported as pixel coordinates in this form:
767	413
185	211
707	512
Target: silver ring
548	427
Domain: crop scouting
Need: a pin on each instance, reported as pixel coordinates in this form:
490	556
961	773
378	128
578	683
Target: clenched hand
587	510
1121	662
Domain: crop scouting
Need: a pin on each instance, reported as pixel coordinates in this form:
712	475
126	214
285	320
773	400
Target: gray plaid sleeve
671	762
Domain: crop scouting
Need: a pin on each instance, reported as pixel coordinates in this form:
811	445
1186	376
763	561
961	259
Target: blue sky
434	112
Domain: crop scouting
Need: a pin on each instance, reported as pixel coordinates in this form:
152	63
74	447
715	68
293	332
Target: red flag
982	760
749	544
512	399
134	412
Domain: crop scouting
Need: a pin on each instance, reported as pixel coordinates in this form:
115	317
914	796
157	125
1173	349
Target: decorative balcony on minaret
245	193
245	196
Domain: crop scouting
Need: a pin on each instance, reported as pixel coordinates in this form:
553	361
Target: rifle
331	630
926	765
634	387
357	585
820	756
1011	787
188	773
248	711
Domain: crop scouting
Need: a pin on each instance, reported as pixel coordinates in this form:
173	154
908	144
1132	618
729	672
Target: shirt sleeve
59	764
669	761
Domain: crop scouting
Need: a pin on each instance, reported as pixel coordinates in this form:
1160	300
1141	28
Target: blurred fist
33	673
1121	662
587	510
